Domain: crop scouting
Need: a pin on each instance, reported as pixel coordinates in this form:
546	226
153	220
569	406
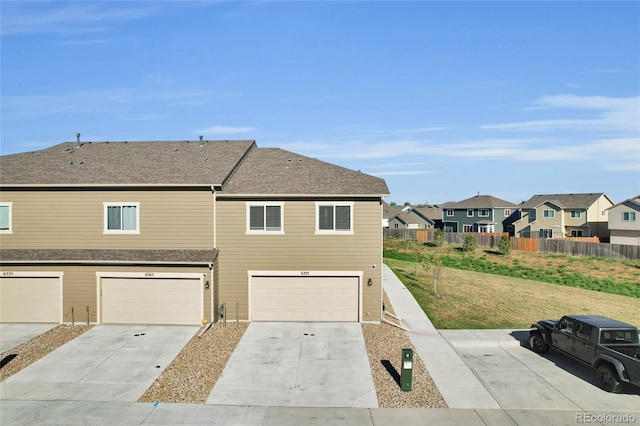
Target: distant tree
438	238
393	203
504	246
407	203
470	243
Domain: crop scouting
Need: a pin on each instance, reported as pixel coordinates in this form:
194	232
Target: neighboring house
432	213
564	215
388	213
624	222
481	213
168	232
409	218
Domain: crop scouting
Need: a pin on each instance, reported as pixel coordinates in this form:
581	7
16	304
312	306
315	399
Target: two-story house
480	213
564	215
624	222
169	232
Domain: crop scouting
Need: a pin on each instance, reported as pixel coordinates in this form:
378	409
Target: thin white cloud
70	18
609	114
226	130
402	173
110	101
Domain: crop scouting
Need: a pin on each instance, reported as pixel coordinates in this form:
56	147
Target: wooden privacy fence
544	245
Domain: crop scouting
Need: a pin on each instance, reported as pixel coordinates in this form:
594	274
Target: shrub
470	243
438	238
504	246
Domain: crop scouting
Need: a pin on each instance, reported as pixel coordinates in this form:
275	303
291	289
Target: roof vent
175	149
201	143
78	137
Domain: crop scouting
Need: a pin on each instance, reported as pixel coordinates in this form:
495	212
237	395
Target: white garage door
151	301
304	298
25	299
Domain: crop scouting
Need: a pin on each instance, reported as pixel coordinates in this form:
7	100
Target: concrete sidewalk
459	387
83	413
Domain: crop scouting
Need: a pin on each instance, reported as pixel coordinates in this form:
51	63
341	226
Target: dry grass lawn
476	300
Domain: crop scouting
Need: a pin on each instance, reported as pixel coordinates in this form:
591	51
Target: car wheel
537	343
608	379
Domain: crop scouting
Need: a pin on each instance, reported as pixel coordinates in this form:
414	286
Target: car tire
537	343
607	379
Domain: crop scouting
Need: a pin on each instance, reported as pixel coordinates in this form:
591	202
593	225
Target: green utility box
406	372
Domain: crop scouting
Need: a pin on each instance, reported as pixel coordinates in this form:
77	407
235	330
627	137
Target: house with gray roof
564	215
624	222
184	232
480	213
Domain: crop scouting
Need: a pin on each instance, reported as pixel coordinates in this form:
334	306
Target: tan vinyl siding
79	285
75	219
298	249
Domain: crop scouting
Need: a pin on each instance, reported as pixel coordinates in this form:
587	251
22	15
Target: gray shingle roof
270	171
107	256
119	163
239	165
564	201
430	212
481	202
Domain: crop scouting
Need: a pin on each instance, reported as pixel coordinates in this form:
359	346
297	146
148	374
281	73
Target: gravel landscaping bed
192	374
384	346
15	359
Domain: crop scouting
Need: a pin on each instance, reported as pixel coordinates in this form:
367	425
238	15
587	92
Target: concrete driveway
14	334
518	378
300	365
107	363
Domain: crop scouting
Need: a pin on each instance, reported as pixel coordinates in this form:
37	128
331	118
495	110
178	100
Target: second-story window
264	218
449	212
483	213
575	214
334	218
469	212
121	218
549	213
629	216
532	214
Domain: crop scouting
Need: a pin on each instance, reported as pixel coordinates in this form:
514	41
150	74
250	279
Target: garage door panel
305	298
151	301
30	299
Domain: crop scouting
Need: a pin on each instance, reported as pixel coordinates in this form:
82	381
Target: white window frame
469	212
549	213
334	205
467	228
575	214
480	212
120	231
626	216
507	212
264	231
10	229
450	212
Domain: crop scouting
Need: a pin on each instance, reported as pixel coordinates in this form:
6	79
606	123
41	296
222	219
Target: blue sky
441	99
